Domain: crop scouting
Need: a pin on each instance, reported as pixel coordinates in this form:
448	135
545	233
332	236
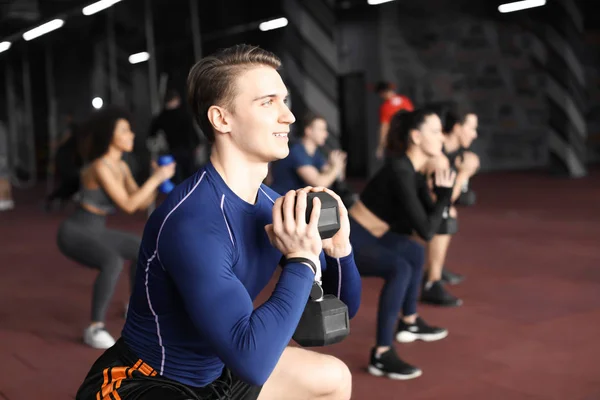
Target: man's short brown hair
211	80
309	118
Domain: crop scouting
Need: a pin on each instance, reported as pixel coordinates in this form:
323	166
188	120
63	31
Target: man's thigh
305	374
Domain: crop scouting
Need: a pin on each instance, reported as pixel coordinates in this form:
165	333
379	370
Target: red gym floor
529	328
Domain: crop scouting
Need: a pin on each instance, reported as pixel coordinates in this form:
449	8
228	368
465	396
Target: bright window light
273	24
43	29
520	5
139	57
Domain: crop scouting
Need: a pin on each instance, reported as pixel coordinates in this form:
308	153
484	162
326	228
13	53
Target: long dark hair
402	123
98	131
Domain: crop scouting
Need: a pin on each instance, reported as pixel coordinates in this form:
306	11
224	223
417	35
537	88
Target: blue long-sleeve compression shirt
204	258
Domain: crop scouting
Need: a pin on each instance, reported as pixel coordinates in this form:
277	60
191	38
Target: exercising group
215	242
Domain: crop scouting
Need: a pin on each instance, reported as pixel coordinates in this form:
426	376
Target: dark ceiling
19	15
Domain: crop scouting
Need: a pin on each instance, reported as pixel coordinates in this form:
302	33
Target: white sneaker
97	337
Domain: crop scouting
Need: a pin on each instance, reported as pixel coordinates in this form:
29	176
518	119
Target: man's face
260	117
317	131
386	94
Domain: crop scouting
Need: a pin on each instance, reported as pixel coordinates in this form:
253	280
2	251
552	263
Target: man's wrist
339	252
308	256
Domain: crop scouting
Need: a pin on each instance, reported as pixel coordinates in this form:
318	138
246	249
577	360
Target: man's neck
243	176
309	146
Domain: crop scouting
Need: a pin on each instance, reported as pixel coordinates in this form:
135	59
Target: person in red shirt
392	103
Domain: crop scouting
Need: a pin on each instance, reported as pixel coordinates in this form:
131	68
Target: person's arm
405	188
325	166
342	279
117	191
131	186
249	341
309	173
425	194
313	177
383	133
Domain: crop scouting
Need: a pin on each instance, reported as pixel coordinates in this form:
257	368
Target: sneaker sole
408	337
101	346
399	377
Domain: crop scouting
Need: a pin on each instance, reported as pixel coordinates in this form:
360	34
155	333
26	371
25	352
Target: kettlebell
167	185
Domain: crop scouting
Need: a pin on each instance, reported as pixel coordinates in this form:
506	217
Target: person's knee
401	268
415	253
337	380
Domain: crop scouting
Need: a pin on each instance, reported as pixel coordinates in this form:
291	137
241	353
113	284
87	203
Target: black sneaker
390	365
451	278
419	331
435	293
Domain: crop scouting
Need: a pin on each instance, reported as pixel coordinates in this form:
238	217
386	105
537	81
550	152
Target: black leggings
399	261
84	238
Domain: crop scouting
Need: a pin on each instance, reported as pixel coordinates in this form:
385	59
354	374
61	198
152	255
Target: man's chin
280	155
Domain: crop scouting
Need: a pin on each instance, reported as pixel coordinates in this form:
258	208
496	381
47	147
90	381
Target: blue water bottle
167	185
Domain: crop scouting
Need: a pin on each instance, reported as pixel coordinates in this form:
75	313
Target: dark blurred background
532	75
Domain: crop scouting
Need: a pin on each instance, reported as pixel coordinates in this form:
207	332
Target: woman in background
106	185
382	224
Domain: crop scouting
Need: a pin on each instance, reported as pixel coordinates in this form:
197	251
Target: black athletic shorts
119	375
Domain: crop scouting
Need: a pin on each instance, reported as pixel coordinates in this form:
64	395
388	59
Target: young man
392	103
305	165
213	245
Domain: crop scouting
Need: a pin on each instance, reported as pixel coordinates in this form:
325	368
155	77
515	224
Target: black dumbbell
325	319
329	219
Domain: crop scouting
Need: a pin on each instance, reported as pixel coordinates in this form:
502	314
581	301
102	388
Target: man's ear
219	119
